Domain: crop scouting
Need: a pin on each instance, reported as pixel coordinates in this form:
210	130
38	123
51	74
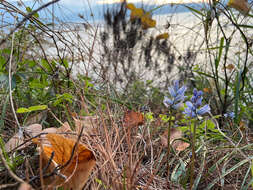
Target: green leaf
237	96
28	9
217	61
37	108
46	65
22	110
65	63
32	108
195	11
35	83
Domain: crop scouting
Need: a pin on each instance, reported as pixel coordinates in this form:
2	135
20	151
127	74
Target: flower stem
193	140
168	150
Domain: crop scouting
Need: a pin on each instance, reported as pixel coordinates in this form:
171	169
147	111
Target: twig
10	88
28	16
4	186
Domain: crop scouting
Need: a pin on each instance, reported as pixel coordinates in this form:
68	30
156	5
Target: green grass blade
195	11
3	112
210	185
237	96
245	178
217	61
197	180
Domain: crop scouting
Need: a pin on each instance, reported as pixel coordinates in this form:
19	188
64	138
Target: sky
70	10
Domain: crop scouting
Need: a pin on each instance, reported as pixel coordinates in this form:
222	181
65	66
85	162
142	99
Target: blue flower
177	96
193	108
230	114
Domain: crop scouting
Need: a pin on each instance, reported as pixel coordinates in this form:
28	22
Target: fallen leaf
207	90
90	124
240	5
79	167
182	146
133	119
175	134
15	141
25	186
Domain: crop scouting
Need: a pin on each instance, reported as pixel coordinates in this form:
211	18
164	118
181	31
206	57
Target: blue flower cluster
230	115
194	108
177	96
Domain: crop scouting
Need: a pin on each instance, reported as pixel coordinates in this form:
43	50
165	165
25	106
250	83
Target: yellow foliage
147	21
139	13
240	5
136	13
130	6
162	36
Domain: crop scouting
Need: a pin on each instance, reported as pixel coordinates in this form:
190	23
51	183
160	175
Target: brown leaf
25	186
15	141
79	168
178	145
207	90
182	146
230	67
133	119
90	124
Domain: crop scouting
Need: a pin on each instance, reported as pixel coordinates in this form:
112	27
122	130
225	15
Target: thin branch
12	174
10	87
27	17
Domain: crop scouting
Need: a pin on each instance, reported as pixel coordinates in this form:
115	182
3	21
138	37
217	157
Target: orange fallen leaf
80	162
133	119
207	90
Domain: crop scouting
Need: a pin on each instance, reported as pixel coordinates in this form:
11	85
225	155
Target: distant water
186	32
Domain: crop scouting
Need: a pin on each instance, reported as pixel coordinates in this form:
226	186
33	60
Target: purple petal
176	85
182	90
189	112
167	102
177	106
203	110
172	92
200	93
195	92
189	105
198	102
